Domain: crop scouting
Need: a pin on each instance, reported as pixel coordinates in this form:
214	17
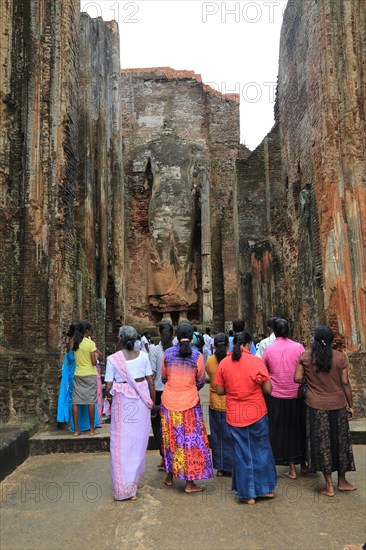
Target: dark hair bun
130	345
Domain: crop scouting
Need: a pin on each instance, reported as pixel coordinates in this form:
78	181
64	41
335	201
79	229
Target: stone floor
64	501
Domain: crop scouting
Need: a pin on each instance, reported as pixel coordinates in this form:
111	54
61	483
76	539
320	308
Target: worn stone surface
302	191
75	491
61	222
323	137
37	180
99	202
181	141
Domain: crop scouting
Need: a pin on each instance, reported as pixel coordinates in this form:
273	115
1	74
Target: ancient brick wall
100	190
179	135
224	137
61	222
302	243
38	172
322	121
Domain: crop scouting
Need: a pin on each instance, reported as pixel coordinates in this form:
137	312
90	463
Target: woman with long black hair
85	378
186	450
244	378
329	407
286	410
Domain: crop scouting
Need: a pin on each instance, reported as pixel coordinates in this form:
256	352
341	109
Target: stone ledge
50	441
14	449
61	441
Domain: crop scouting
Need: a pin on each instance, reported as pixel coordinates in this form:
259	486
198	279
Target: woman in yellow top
85	378
221	440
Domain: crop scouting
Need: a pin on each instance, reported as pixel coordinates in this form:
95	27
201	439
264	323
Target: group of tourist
277	404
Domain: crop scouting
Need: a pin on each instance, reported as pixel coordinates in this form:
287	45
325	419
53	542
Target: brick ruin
181	143
302	192
126	196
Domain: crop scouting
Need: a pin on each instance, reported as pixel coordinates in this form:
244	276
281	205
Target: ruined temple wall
224	137
315	204
160	115
309	265
322	113
100	190
171	114
259	179
62	225
38	173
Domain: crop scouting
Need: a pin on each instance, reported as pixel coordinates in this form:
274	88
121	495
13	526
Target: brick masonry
177	135
76	219
61	221
302	230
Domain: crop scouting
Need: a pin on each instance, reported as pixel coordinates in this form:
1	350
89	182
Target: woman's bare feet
132	498
161	464
343	484
191	487
93	433
76	434
268	495
290	475
346	486
168	480
304	468
247	500
328	492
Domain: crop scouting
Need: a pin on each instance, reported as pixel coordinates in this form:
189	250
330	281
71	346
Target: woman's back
217	402
281	358
182	377
325	390
244	397
84	365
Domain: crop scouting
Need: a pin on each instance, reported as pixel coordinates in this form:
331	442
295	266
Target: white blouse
138	367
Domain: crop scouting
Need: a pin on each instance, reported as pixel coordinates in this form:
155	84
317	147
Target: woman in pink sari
130	389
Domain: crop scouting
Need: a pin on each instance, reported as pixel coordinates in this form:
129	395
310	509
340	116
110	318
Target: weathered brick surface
323	146
38	176
178	136
99	212
302	232
61	223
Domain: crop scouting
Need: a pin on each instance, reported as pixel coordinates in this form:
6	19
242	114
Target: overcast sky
233	45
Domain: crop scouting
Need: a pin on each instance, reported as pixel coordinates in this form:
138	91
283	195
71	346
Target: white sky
233	45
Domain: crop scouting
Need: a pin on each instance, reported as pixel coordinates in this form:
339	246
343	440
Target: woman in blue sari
66	387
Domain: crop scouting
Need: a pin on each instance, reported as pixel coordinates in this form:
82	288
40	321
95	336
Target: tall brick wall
224	137
99	212
61	222
321	90
302	245
38	173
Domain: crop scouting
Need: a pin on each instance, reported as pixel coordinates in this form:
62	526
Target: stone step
14	446
62	441
49	441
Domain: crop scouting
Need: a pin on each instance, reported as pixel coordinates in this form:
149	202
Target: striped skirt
186	451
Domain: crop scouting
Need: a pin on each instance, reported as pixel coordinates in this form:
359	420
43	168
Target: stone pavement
64	501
